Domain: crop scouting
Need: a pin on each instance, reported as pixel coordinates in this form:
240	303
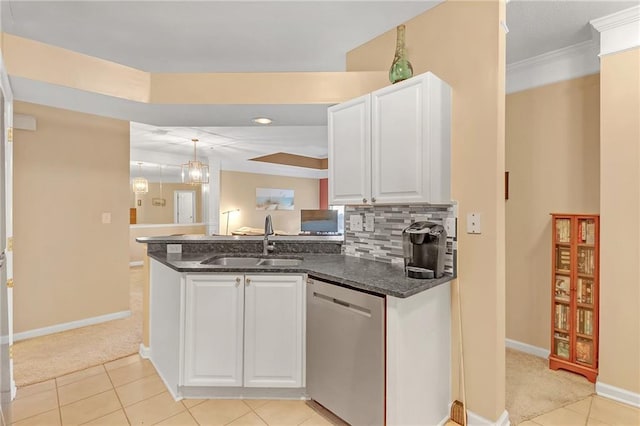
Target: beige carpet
43	358
533	389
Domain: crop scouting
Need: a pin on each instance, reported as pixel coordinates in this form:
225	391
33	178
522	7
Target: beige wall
238	190
620	223
68	265
44	62
462	43
148	213
47	63
553	159
138	251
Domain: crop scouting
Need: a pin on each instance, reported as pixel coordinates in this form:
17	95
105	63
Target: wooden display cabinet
574	294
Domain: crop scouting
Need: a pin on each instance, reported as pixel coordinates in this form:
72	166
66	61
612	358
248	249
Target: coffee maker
424	246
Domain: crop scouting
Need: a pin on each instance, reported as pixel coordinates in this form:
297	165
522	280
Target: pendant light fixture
194	172
140	185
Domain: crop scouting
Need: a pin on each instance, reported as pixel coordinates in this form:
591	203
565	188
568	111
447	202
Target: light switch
355	223
369	222
473	223
106	218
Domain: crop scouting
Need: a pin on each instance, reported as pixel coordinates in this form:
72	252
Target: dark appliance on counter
424	245
318	222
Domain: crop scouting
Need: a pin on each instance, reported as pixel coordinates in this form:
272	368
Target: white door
185	206
5	341
7	384
213	330
274	331
410	146
349	127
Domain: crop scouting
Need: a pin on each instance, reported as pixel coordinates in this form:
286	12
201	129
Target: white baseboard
144	351
475	419
136	263
171	391
445	420
69	325
527	348
617	394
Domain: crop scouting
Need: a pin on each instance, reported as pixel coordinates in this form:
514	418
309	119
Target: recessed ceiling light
262	120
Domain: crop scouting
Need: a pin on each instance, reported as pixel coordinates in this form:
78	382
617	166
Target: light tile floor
591	411
129	392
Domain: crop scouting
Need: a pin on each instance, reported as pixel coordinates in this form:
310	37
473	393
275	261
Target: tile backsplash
384	243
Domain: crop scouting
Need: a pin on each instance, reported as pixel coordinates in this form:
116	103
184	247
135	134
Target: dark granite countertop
206	239
346	271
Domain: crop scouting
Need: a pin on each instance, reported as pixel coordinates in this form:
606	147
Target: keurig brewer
424	246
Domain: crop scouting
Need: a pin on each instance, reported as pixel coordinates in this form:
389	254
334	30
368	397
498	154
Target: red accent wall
324	193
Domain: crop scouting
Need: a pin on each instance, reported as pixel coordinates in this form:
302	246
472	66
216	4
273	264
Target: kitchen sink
233	261
279	262
252	261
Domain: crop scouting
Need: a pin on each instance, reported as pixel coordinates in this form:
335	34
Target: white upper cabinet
350	151
273	334
405	151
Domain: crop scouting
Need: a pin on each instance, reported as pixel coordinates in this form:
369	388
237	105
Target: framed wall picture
159	202
274	199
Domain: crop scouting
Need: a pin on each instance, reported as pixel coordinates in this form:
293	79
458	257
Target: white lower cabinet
213	330
243	331
273	331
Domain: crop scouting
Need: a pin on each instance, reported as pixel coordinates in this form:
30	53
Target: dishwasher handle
350	306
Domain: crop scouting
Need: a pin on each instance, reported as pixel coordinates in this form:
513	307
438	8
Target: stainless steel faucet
268	230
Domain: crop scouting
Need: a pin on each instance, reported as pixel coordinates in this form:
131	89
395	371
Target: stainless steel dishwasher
345	352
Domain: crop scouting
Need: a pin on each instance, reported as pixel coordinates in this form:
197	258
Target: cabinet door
410	142
349	126
274	324
213	330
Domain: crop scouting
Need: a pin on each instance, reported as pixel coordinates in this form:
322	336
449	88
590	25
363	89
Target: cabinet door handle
373	199
248	281
364	200
237	281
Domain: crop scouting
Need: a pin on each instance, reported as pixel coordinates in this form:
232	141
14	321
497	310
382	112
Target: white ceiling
210	36
246	36
232	146
540	26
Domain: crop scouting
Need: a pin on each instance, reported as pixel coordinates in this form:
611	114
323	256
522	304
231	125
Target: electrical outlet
106	218
450	226
369	222
174	248
355	223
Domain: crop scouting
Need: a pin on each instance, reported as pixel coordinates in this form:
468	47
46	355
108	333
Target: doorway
184	206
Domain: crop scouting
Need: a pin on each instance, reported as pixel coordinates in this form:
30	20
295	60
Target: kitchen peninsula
227	321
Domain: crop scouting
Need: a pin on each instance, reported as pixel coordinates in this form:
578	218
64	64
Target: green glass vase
401	68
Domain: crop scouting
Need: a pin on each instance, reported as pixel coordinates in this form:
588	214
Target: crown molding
619	31
563	64
617	19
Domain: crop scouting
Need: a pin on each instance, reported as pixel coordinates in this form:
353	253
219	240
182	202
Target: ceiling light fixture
194	172
262	120
140	185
